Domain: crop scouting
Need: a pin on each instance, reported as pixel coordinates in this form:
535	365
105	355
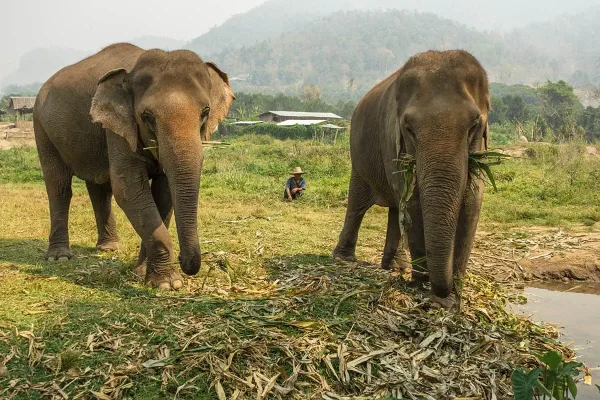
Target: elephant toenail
177	284
63	258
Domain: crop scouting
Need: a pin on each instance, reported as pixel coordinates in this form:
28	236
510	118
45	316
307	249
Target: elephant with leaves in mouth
130	123
435	108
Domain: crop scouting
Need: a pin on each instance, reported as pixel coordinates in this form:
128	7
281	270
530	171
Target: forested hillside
275	17
345	53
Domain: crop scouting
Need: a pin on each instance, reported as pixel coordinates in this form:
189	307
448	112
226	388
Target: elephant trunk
182	162
442	182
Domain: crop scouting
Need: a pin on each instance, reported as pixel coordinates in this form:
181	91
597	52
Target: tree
560	107
311	92
590	122
498	113
516	109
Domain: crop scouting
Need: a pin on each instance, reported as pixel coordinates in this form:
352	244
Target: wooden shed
21	106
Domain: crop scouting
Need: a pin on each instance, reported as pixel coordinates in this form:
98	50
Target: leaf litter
319	330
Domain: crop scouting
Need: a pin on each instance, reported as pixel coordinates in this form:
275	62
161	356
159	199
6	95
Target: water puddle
575	309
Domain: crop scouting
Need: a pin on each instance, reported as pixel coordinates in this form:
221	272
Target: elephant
130	123
434	108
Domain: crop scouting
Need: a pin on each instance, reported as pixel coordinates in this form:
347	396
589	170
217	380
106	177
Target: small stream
575	309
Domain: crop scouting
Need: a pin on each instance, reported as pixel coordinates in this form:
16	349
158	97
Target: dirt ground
539	254
12	137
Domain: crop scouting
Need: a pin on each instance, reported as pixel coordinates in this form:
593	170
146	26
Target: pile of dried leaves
337	331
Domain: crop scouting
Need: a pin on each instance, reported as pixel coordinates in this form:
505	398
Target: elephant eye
149	120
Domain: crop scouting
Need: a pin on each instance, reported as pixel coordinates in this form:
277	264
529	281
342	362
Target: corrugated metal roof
19	103
331	126
246	122
293	114
290	122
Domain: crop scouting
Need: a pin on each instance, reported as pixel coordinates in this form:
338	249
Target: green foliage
525	383
554	379
560	108
20	166
548	185
345	53
247	106
294	132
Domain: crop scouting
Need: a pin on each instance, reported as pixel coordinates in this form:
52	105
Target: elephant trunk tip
191	264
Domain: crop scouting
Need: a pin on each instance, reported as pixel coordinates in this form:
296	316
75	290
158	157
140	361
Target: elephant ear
112	106
221	98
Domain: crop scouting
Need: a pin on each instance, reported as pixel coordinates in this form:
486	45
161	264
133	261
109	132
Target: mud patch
538	254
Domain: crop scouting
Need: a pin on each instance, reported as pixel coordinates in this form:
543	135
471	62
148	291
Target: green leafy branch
480	163
553	380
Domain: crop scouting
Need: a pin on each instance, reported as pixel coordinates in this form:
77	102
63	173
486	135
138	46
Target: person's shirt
292	184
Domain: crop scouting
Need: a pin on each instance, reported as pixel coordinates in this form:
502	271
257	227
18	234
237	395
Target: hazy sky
89	25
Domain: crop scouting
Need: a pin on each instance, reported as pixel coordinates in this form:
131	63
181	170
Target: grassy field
267	290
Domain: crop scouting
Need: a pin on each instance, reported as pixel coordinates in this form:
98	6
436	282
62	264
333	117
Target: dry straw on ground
378	337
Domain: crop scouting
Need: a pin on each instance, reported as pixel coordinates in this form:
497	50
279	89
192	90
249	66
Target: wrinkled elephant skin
434	108
96	120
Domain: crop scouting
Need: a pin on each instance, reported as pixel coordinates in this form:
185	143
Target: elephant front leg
466	229
133	194
161	194
416	240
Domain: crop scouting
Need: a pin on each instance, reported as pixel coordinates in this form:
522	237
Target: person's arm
287	190
303	184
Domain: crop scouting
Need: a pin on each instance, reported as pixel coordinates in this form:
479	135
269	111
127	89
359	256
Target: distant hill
38	65
276	17
346	53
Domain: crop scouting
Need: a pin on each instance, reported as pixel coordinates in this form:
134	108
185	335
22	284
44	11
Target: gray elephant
434	108
117	120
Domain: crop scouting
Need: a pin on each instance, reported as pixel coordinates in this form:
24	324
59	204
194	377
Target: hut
21	106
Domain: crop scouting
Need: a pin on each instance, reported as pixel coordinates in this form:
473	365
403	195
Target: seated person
294	186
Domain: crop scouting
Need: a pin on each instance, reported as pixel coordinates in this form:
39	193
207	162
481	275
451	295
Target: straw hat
297	170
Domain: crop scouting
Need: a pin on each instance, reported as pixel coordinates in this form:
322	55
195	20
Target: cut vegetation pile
330	331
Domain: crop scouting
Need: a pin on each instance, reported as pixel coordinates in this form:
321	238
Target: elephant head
442	110
170	101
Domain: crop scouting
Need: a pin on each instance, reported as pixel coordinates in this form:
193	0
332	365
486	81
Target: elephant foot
395	264
140	270
59	253
107	245
164	278
343	255
446	303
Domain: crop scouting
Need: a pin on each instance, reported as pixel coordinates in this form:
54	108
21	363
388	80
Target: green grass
250	238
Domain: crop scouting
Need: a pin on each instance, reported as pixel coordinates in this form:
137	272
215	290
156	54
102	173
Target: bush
296	132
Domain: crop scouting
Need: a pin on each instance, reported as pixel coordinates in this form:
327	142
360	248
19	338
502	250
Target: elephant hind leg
101	197
57	177
391	259
360	199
